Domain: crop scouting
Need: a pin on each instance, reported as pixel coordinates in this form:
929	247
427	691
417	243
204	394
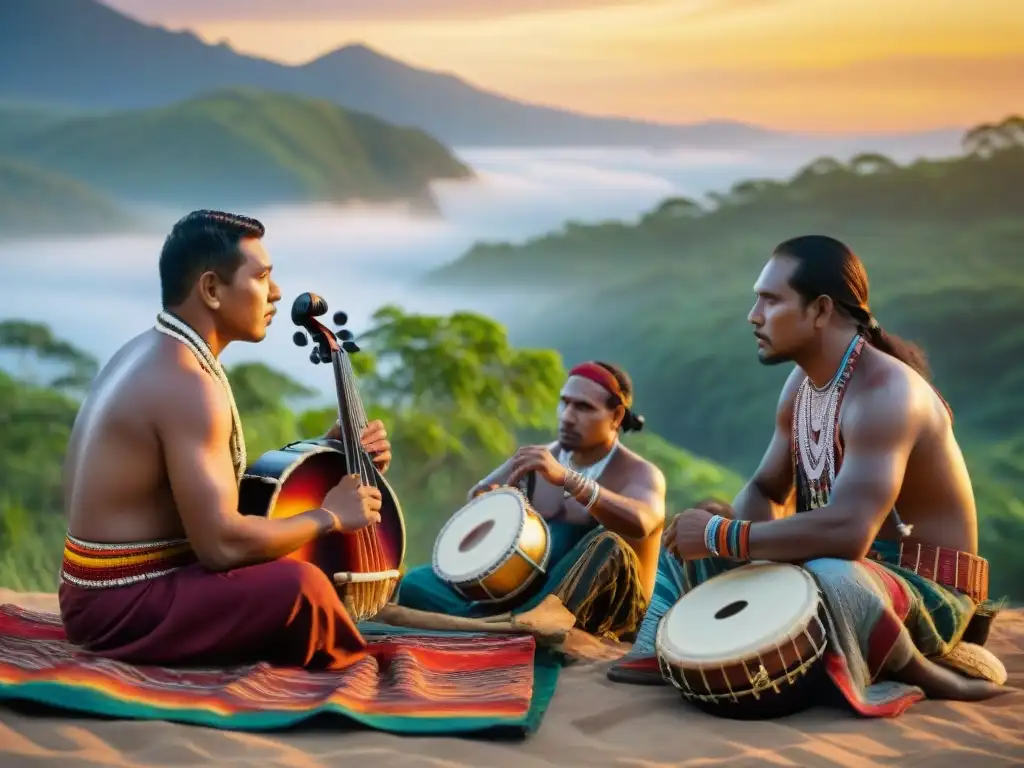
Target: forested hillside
454	399
668	297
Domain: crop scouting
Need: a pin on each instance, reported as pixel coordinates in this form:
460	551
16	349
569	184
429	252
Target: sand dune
591	722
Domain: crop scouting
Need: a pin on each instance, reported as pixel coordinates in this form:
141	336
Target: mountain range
83	54
226	148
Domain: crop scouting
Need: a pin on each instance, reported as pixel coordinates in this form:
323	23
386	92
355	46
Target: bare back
936	496
116	486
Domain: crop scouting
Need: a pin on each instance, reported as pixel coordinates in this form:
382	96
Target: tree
78	368
259	388
872	162
677	208
987	139
461	369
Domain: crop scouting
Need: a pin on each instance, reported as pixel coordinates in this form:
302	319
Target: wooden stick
347	577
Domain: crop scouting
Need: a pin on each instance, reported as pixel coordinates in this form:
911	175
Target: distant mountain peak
83	54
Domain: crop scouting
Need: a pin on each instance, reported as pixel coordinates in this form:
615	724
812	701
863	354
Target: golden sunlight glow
821	65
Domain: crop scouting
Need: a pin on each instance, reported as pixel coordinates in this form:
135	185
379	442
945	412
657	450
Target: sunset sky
819	65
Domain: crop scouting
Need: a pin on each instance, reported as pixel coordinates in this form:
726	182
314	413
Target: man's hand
353	504
536	458
374	441
684	536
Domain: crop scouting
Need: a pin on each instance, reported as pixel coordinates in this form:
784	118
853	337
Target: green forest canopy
454	404
668	296
236	146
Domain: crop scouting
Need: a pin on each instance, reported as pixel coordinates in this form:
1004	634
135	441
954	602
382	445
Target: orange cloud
199	11
818	64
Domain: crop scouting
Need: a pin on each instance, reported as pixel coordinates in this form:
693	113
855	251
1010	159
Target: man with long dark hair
159	565
864	454
604	506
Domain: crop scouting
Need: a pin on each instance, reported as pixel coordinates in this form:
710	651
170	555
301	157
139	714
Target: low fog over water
98	292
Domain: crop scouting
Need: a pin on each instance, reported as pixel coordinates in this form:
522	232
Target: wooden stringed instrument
363	564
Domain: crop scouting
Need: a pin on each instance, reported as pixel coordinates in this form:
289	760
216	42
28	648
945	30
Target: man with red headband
604	505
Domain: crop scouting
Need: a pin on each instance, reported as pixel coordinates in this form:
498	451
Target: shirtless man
159	566
889	472
603	503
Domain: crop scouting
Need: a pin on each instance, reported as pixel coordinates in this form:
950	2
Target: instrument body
493	548
748	643
297	477
365	564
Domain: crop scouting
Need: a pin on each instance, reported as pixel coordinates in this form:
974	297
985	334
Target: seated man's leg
887	625
598	581
674	579
422	590
285	612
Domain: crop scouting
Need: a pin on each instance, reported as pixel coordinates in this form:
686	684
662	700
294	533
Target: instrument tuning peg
325	356
314	356
350	346
344	334
340	318
300	339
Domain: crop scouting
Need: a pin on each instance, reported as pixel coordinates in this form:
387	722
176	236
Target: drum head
739	613
479	535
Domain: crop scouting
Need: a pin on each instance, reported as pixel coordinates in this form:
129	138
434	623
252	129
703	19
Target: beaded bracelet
575	484
728	538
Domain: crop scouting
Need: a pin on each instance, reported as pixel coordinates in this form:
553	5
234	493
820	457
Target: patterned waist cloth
960	571
97	566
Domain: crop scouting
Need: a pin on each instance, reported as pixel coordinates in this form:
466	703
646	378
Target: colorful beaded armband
728	538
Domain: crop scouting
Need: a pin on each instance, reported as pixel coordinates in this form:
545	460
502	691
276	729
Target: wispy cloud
815	64
186	11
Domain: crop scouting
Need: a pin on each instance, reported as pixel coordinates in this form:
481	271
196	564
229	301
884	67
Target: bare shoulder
888	402
187	397
640	470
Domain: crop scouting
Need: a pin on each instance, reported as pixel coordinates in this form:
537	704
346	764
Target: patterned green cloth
593	571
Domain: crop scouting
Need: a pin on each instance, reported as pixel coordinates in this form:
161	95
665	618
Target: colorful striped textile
880	614
409	682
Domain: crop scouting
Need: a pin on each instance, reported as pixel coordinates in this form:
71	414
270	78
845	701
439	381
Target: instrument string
349	438
352	417
367	474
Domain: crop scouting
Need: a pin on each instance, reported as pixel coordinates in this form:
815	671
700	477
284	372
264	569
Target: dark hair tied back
632	422
828	267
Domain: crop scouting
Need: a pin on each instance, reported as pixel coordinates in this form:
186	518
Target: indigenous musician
159	566
604	504
864	454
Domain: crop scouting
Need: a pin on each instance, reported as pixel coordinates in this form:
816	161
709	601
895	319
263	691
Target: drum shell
516	570
793	670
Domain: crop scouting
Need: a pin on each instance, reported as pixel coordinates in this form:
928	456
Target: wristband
728	538
329	522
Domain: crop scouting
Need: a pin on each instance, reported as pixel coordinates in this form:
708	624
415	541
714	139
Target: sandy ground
591	722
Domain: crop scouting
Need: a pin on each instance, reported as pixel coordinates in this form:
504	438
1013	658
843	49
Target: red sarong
285	612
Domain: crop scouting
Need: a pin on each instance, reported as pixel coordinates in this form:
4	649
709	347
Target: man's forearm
753	504
619	514
253	539
809	535
499	476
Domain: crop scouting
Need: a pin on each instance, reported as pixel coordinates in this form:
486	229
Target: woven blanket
411	681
